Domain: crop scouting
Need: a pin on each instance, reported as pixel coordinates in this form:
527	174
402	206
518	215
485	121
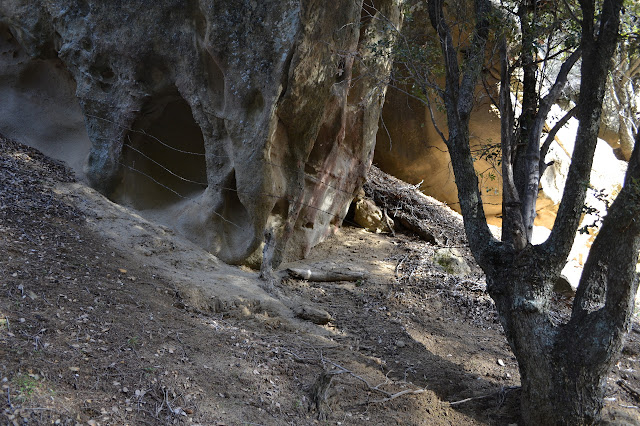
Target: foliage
26	385
601	196
630	26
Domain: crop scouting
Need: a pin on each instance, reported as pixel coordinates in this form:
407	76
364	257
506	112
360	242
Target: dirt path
107	318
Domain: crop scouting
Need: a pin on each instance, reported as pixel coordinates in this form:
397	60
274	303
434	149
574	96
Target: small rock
315	315
401	344
500	362
370	217
451	261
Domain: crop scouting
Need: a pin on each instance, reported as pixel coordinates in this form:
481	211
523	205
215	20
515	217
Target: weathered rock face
409	145
410	148
232	117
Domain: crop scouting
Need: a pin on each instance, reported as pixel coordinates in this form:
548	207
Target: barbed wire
226	188
163	167
173	191
142	132
289	199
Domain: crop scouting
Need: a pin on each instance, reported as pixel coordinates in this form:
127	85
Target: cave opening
163	156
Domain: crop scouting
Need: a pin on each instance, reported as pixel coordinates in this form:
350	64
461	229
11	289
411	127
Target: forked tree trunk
562	366
561	384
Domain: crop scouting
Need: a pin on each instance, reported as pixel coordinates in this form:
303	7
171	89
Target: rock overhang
263	93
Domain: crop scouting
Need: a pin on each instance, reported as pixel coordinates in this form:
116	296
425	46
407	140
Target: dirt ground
109	319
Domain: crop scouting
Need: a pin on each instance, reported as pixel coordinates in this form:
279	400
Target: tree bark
562	368
560	384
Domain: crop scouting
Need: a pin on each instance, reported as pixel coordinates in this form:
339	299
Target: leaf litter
90	335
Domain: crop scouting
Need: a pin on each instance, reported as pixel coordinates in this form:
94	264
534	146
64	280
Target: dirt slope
107	318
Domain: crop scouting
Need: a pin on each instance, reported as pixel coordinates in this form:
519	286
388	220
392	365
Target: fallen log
418	213
322	275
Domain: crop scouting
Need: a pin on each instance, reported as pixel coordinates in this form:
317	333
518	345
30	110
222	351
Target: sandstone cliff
231	118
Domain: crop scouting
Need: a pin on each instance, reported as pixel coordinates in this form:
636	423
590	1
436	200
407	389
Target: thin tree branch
551	137
458	99
596	62
573	15
513	232
503	390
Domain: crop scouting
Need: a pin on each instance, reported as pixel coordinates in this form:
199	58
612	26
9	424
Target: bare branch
474	63
502	390
573	15
551	137
398	394
597	54
560	83
435	124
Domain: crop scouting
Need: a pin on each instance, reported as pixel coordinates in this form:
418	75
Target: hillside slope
107	318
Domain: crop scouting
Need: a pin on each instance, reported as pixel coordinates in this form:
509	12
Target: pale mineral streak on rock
224	118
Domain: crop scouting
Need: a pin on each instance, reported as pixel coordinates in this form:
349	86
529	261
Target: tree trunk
562	366
561	384
557	393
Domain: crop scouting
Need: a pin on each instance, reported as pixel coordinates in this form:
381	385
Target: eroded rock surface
226	118
409	144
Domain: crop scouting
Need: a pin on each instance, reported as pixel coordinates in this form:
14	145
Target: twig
630	390
399	265
159	409
9	397
342	370
398	394
507	389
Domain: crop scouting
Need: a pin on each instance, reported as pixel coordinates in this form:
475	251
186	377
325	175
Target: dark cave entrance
163	159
